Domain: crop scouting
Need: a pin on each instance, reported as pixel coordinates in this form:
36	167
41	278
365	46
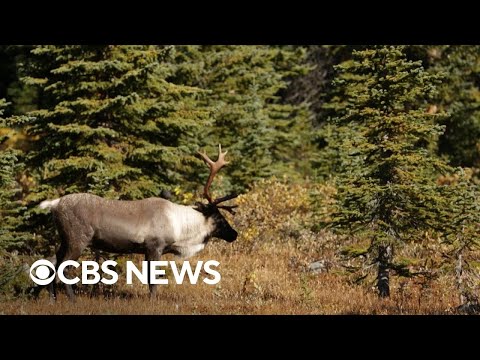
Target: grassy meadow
266	271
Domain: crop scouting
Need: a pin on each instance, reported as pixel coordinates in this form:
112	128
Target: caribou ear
199	205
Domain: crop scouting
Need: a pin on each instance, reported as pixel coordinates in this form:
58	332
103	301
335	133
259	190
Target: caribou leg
152	254
67	251
52	287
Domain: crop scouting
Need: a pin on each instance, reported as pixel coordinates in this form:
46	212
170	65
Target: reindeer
152	226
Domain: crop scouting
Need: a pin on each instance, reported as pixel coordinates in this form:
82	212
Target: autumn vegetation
357	169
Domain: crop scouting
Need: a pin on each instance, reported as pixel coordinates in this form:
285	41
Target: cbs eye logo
40	270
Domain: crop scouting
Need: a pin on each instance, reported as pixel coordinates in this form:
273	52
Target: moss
354	251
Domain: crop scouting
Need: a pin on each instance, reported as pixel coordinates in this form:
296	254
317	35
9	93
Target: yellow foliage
16	139
185	197
276	210
250	285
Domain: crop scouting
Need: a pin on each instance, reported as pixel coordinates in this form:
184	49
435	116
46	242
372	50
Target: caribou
152	226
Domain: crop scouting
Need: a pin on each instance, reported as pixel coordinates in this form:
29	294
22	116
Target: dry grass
265	271
270	280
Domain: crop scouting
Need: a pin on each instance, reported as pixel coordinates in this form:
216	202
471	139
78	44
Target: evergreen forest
357	169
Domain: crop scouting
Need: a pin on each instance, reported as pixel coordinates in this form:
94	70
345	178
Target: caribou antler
214	169
225	198
229	208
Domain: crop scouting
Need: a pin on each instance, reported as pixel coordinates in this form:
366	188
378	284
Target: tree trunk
459	279
383	277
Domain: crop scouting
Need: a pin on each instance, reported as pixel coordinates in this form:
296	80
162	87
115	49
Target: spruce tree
108	122
265	136
459	97
314	87
461	219
11	206
387	190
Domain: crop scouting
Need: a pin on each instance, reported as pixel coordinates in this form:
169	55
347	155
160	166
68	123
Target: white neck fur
190	229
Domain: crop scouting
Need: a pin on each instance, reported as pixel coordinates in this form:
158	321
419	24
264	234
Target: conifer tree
387	190
459	97
315	89
11	207
108	122
461	219
264	135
